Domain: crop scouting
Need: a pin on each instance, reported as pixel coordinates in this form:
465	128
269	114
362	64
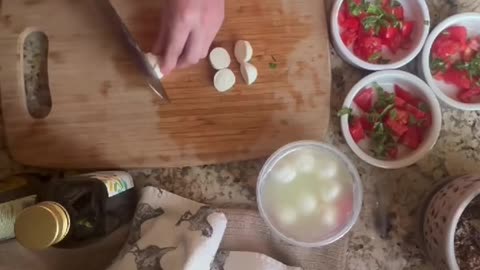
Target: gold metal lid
42	225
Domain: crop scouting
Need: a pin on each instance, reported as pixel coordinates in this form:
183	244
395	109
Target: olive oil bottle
77	210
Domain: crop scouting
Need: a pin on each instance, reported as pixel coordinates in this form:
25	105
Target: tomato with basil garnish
388	121
455	59
370	27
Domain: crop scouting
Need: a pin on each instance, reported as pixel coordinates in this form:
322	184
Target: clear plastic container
342	227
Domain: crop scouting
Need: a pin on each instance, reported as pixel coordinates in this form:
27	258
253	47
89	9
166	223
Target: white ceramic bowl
387	79
447	92
357	191
415	10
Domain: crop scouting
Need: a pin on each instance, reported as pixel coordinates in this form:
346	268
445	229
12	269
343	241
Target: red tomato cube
349	37
356	130
445	48
400	102
365	47
393	152
403	94
457	33
411	138
407	29
366	125
396	125
364	100
458	78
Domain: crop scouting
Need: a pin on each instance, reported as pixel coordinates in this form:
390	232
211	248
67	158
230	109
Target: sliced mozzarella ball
219	58
307	203
284	173
243	51
328	215
153	60
224	80
286	215
326	168
329	190
249	73
304	161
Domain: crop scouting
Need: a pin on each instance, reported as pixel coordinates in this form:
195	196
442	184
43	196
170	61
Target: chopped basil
393	114
343	111
272	65
423	107
438	65
412	121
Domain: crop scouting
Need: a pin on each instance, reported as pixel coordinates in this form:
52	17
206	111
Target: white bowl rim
369	66
427	144
356	183
426	61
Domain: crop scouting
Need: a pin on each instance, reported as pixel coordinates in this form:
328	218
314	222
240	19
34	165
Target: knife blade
132	46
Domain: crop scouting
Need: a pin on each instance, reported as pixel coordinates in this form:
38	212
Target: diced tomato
349	37
474	44
398	123
468	54
366	125
407	29
396	11
396	128
364	100
445	48
393	152
356	130
342	17
438	76
395	43
417	113
365	47
400	102
412	138
386	3
388	32
458	78
467	95
403	94
457	33
351	24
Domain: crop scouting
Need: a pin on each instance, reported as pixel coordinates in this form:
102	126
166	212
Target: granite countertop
393	198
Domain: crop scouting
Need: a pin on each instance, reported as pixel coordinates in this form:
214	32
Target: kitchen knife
145	67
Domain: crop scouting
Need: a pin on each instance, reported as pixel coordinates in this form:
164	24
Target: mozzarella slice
249	73
224	80
219	58
243	51
153	60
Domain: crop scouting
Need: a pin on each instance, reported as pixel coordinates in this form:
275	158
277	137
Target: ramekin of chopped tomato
379	34
391	119
451	61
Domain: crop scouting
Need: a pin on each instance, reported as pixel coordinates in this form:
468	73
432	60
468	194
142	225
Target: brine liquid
308	195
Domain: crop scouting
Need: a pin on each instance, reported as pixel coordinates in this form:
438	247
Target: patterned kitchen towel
169	232
246	231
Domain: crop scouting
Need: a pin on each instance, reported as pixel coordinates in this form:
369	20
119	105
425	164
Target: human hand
187	30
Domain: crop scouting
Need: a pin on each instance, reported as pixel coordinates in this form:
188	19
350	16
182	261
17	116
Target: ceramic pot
442	215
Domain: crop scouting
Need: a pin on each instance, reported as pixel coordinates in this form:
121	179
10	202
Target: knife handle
153	60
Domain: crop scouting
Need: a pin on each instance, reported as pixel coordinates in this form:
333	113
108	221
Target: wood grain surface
104	116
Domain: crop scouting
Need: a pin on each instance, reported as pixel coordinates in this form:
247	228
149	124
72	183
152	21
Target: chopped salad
455	59
366	27
389	120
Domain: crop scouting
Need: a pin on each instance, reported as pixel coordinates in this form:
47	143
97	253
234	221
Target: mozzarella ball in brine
304	161
327	214
307	203
329	190
283	173
326	168
285	215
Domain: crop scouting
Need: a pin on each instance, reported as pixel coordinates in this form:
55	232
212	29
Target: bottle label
115	181
9	212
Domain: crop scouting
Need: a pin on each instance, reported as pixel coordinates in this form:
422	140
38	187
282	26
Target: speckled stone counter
386	235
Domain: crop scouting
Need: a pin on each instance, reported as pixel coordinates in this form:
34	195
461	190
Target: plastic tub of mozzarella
309	193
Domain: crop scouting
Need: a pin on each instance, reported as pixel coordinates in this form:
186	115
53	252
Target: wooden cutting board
103	114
